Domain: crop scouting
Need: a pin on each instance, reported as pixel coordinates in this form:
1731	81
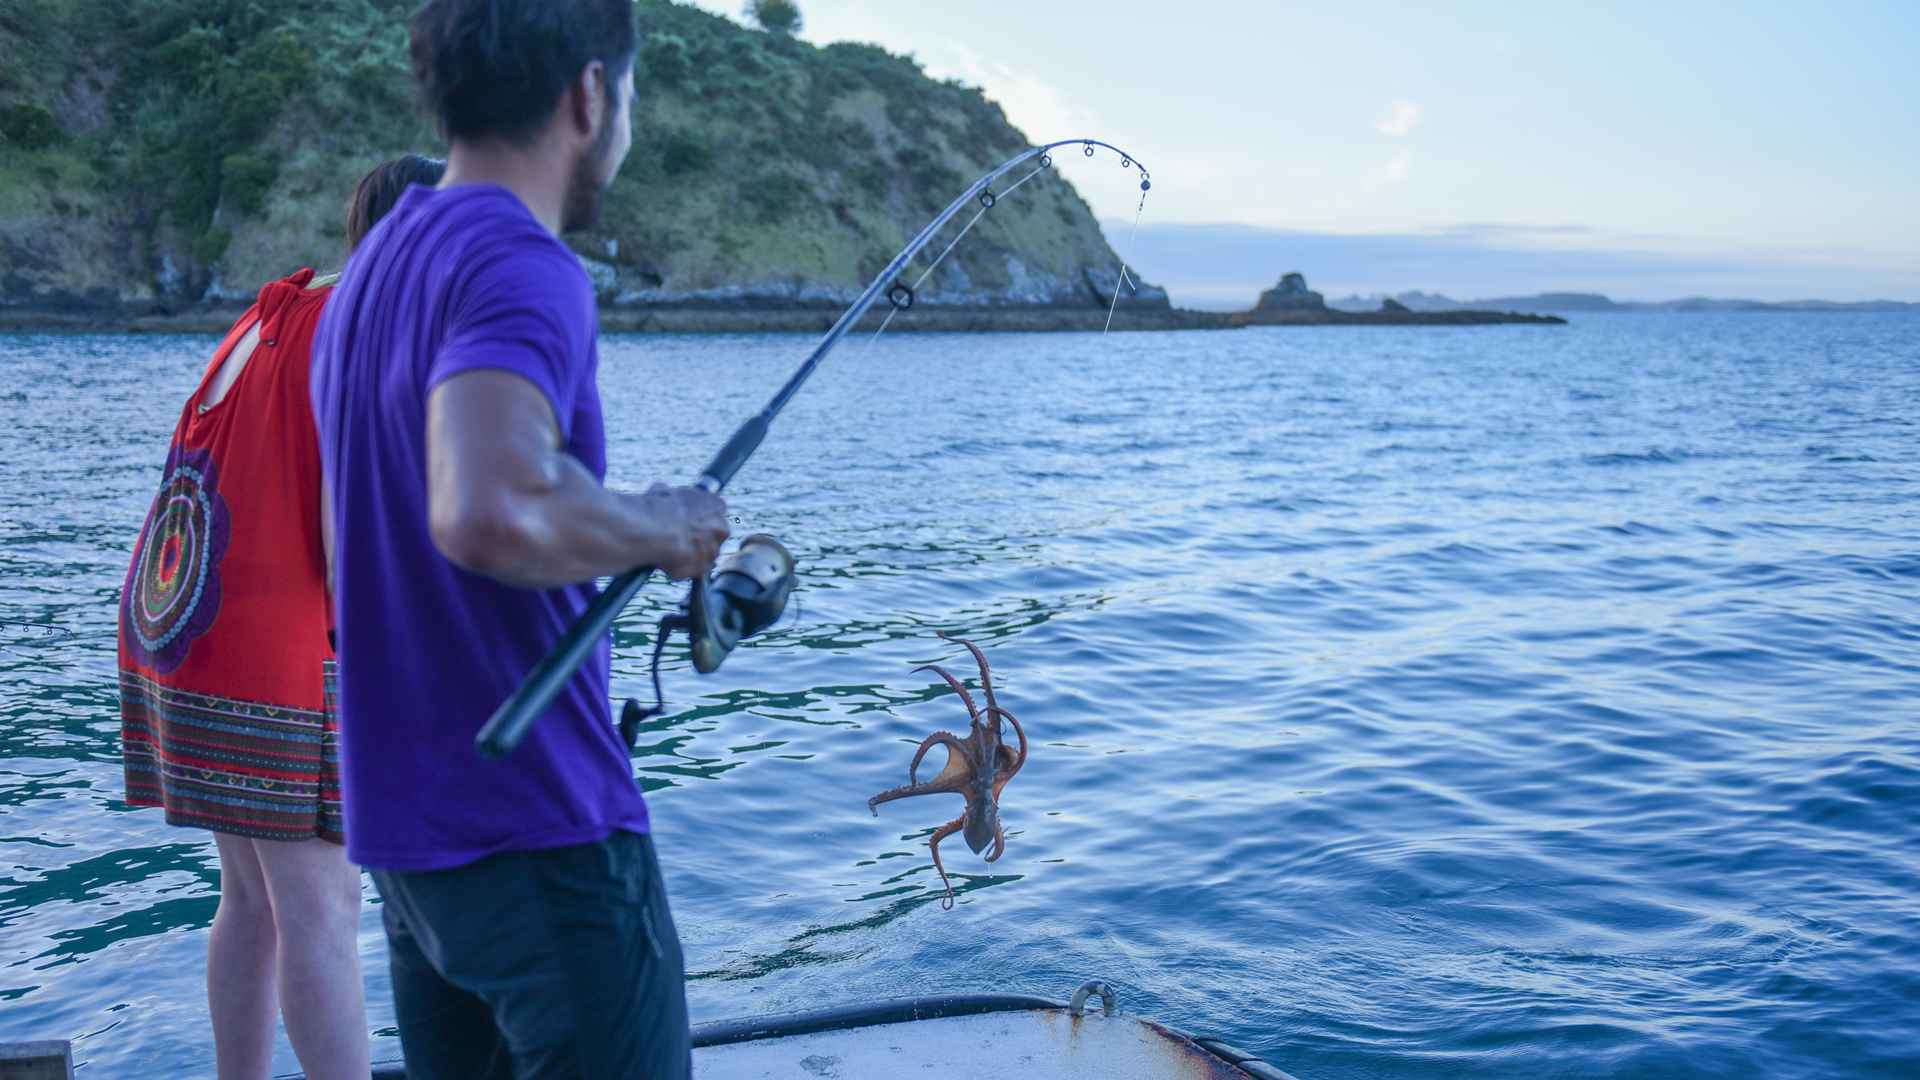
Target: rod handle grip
510	723
735	454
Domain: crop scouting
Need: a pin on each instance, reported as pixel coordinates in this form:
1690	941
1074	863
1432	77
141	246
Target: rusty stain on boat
1171	1055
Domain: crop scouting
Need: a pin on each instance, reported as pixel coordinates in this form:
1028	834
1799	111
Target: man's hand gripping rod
510	723
515	716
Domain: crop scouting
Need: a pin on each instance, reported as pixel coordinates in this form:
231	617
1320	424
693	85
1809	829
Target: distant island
1595	303
1291	303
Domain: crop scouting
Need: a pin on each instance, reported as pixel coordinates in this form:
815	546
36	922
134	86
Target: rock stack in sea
1291	294
1291	303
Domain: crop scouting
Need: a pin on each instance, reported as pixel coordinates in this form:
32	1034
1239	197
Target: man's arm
507	501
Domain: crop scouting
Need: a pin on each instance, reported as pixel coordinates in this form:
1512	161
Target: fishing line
1132	235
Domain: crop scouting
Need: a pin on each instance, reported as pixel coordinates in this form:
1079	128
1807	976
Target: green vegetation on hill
160	152
194	141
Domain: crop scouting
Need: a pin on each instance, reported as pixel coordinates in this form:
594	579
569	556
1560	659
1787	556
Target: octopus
977	768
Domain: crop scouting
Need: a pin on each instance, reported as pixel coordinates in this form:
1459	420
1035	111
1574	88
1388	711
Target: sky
1760	149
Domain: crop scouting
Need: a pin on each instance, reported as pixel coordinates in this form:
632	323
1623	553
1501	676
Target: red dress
224	614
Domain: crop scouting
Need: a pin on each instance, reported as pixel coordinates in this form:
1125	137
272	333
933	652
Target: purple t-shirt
453	281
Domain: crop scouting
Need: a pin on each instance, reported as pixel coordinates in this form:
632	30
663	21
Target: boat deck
959	1037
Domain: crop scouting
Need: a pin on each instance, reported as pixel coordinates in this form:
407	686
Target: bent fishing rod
509	724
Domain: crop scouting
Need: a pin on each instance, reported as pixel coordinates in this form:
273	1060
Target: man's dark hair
381	188
496	68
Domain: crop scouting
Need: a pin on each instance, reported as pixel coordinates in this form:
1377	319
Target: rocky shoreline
1290	303
217	318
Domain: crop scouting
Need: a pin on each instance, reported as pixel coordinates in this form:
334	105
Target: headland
152	178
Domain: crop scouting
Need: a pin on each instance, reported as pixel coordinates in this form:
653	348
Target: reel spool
746	593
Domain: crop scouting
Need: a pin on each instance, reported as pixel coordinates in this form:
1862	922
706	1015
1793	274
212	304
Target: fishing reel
746	593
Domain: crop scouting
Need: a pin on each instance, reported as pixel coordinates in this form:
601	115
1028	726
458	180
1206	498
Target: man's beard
584	192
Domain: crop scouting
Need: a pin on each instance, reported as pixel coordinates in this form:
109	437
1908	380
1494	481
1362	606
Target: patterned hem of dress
264	771
185	820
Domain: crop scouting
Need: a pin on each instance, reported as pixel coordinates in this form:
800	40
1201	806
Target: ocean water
1405	702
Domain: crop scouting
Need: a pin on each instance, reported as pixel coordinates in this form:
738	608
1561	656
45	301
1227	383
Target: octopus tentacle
999	843
938	786
957	751
933	844
1020	759
972	712
986	676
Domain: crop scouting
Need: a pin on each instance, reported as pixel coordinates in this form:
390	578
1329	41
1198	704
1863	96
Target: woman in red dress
226	717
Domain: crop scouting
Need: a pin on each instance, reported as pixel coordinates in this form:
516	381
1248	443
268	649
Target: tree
775	16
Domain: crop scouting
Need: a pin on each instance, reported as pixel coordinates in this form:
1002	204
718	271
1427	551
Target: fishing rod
510	723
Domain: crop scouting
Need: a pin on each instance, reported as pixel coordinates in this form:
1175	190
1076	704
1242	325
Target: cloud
1397	169
1493	229
1041	110
1226	266
1401	118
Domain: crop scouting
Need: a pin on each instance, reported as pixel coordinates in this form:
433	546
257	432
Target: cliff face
155	154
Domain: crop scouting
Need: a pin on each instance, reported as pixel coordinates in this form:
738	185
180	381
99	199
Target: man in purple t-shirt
462	442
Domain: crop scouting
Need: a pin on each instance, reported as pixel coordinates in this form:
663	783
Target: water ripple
1428	702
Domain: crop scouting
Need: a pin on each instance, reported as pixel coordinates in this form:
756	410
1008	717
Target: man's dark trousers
538	964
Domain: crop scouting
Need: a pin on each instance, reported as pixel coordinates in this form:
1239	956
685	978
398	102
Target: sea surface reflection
1497	701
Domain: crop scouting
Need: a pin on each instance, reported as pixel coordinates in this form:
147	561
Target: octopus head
980	824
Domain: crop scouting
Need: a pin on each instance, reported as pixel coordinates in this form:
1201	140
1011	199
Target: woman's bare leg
316	908
241	961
